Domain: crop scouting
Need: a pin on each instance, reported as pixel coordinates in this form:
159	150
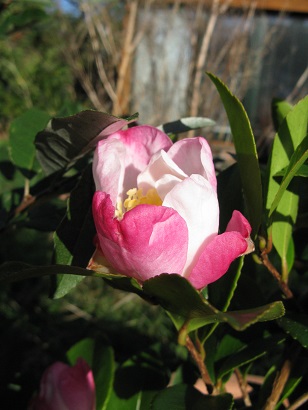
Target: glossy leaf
246	153
22	134
291	133
74	237
296	325
175	294
185	124
66	139
184	397
297	160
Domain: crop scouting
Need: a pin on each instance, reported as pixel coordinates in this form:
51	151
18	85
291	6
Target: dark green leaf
185	124
66	139
296	325
247	354
297	160
229	193
280	109
246	153
74	237
184	397
301	172
22	134
15	271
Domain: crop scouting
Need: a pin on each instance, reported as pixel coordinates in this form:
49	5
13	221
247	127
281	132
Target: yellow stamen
135	197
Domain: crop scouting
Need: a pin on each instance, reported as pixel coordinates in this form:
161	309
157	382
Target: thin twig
243	386
299	402
202	58
278	386
283	286
200	363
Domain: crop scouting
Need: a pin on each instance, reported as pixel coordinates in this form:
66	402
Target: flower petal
122	156
148	241
196	201
194	156
240	224
216	258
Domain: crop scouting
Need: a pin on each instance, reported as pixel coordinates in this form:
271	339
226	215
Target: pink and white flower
64	387
156	209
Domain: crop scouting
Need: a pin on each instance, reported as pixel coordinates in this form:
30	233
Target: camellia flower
66	388
156	209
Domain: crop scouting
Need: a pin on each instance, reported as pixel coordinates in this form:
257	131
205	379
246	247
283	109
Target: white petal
194	156
159	167
195	199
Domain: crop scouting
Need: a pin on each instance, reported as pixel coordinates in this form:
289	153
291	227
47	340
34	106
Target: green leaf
296	325
291	133
134	385
66	139
280	109
74	237
229	192
247	354
185	124
84	348
103	366
246	153
22	134
184	397
297	160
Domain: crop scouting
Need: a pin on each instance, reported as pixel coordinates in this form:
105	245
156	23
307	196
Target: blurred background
151	57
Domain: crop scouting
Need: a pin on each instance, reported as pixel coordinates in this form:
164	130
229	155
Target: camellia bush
225	256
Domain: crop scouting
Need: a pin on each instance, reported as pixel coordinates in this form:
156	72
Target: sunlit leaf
297	160
246	153
280	109
21	143
290	135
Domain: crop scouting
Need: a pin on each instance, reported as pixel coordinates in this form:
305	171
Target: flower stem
201	365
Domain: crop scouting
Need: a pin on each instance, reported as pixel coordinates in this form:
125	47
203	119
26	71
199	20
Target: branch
200	363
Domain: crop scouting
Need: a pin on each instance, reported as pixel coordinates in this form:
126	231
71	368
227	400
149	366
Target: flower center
135	197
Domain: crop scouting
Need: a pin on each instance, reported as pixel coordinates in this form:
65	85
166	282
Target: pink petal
77	387
123	155
196	201
148	241
64	387
216	258
194	156
240	224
